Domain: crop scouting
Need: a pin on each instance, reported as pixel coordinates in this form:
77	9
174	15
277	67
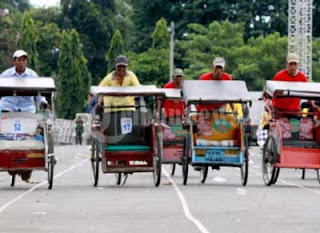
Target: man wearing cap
218	73
20	70
290	74
174	107
120	77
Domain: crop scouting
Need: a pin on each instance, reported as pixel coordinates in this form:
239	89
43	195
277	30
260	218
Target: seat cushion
127	148
22	145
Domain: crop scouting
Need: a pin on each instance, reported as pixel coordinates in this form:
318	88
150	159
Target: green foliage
73	77
160	36
10	26
316	60
116	49
15	5
151	66
94	22
255	61
28	40
203	44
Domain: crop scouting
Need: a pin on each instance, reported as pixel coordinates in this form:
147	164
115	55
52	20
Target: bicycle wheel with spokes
245	166
203	174
158	161
185	159
95	159
268	158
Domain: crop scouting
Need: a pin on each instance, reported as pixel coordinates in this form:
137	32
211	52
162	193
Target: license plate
231	153
214	155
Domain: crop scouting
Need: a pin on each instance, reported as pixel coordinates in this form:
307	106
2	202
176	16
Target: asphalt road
219	205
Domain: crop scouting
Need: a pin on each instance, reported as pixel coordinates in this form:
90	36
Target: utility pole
300	33
171	59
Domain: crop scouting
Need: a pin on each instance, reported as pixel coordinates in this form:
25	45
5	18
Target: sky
41	3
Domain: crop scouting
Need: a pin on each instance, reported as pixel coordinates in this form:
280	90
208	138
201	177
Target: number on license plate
214	155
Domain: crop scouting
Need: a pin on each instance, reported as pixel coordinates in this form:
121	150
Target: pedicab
128	141
294	137
173	132
217	137
26	139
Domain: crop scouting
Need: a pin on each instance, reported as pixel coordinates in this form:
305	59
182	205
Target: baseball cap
19	53
292	57
177	72
121	60
219	61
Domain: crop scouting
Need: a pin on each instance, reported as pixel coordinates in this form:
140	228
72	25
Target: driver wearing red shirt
174	108
217	74
290	74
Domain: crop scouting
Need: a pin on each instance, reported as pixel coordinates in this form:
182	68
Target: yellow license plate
231	153
35	155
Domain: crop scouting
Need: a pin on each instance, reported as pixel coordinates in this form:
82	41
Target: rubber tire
203	174
51	161
244	169
173	169
50	171
318	175
303	173
118	178
13	179
276	175
158	161
268	177
185	159
95	162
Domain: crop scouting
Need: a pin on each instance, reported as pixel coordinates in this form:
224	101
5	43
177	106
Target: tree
152	66
253	61
259	17
94	21
73	77
28	40
15	5
160	36
116	48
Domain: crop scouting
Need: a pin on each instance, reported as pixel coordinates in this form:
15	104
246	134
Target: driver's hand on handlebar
44	105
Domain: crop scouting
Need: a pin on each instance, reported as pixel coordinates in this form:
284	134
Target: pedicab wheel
318	175
303	173
51	161
50	171
158	162
203	174
95	159
185	160
269	152
244	169
118	178
173	169
276	175
13	179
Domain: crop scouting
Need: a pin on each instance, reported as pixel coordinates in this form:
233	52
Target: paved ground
219	205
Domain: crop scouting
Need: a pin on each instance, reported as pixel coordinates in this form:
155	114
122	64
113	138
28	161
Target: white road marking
40	213
241	191
8	204
219	179
289	183
185	206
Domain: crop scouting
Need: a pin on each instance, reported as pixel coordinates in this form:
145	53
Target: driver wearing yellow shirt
120	77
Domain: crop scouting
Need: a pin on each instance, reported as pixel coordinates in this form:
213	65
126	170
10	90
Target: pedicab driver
218	73
21	103
20	70
290	74
174	108
120	77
